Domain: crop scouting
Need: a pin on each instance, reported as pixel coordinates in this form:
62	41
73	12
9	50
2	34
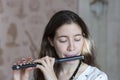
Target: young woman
66	35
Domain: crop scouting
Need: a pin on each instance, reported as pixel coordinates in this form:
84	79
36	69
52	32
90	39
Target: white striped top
92	73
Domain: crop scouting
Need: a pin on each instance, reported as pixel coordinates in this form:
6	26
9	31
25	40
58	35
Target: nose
71	46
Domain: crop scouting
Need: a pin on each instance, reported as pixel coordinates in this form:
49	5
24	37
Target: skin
67	42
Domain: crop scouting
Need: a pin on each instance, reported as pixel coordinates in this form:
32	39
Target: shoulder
102	76
93	73
96	74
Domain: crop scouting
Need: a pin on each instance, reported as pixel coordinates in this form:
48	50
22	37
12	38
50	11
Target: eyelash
77	39
66	40
62	41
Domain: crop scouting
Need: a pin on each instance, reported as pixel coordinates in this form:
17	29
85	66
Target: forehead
69	29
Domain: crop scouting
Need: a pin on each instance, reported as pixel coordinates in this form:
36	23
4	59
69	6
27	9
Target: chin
71	62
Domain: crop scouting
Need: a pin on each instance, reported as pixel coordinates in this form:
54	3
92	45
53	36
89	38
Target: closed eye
62	39
77	38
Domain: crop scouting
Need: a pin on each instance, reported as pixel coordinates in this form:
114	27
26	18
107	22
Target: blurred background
22	23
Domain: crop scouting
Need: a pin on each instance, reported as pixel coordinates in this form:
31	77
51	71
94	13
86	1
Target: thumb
16	75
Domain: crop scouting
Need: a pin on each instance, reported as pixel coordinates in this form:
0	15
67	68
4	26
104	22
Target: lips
70	55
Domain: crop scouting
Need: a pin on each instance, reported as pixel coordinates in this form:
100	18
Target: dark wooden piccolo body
33	64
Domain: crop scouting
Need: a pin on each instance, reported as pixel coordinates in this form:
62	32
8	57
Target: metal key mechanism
17	67
33	64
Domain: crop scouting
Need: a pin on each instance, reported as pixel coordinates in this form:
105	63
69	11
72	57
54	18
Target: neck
67	70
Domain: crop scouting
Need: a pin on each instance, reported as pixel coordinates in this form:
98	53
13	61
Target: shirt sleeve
102	77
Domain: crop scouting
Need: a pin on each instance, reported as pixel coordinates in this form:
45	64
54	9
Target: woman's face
68	40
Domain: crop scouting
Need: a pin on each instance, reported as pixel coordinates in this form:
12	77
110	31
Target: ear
50	41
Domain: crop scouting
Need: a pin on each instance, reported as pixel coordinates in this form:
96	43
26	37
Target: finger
42	68
29	60
41	61
20	62
52	61
47	60
25	75
16	75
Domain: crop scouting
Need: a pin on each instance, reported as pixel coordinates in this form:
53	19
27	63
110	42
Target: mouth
71	55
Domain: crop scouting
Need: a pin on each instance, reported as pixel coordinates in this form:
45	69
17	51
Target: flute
33	64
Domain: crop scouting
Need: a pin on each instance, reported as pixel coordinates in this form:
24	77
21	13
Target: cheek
79	46
60	51
60	48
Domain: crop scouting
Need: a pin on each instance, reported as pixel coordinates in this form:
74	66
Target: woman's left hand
47	67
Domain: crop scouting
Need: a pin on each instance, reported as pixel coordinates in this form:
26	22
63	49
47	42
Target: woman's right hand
24	73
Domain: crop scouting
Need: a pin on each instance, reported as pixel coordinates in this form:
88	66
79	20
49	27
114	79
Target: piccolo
33	64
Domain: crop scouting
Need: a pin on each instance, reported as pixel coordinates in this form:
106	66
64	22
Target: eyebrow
78	35
66	36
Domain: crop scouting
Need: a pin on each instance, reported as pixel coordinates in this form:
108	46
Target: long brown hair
59	19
